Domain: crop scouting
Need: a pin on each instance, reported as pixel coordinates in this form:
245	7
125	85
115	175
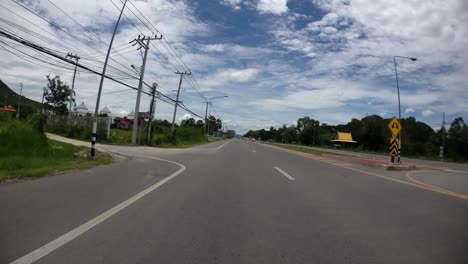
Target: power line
66	32
51	53
166	44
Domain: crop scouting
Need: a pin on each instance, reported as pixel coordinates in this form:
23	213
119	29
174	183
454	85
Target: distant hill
10	97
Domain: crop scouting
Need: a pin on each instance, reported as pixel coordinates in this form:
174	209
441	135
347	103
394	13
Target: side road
433	163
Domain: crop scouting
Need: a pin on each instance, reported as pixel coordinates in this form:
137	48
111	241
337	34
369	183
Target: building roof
105	110
7	108
344	137
81	108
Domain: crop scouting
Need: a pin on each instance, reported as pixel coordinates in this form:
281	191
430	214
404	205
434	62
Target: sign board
125	123
393	150
143	114
394	126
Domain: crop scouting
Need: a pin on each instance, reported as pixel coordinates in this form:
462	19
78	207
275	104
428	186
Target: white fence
103	123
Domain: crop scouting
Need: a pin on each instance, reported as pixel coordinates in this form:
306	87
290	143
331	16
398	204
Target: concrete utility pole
96	110
152	108
442	149
208	102
44	93
206	118
69	55
177	98
145	46
19	100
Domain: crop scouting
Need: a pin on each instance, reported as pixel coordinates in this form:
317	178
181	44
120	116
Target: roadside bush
183	136
22	139
75	131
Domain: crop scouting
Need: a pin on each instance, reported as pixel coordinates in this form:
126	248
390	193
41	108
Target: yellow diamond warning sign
394	126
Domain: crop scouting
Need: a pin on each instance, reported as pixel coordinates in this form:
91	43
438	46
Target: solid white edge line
284	173
67	237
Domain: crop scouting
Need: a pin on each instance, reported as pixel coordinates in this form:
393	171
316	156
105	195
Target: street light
208	102
398	90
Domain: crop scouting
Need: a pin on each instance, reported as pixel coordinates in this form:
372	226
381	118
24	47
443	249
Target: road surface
232	202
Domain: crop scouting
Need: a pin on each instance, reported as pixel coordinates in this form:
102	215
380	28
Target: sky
276	60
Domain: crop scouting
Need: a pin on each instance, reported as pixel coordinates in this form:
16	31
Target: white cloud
213	48
427	112
234	4
276	7
237	75
409	110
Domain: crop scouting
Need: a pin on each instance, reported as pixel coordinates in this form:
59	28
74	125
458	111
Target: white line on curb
284	173
67	237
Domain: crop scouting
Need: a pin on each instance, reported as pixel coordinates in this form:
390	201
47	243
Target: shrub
22	139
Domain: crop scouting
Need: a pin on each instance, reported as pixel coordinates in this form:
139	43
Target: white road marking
223	145
64	239
284	173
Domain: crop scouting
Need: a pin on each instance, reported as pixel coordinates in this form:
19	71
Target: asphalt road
229	202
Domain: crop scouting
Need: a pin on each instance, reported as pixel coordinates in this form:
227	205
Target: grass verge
298	148
26	152
61	157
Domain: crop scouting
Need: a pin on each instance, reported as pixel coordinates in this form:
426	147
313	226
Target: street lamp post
399	106
208	102
98	99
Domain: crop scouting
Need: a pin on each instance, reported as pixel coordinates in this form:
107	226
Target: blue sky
277	60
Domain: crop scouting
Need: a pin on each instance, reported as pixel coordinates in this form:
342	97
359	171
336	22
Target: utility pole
19	100
152	107
44	93
177	99
71	56
140	41
208	113
206	118
96	110
442	149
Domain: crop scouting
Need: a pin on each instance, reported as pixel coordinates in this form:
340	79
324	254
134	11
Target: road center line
67	237
284	173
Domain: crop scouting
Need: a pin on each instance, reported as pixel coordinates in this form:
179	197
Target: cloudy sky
277	60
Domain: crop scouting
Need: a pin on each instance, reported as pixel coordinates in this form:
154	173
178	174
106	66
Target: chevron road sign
394	126
393	150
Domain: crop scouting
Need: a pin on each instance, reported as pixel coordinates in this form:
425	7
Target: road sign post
394	126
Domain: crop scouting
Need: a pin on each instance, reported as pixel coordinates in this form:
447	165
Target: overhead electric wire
92	34
32	62
166	44
51	53
66	32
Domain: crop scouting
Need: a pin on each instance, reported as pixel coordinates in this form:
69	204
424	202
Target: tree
307	130
189	122
215	124
199	124
58	95
457	140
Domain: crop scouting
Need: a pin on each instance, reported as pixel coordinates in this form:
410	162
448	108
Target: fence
66	124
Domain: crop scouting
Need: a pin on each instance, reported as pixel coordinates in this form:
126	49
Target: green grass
299	148
26	152
122	137
60	157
